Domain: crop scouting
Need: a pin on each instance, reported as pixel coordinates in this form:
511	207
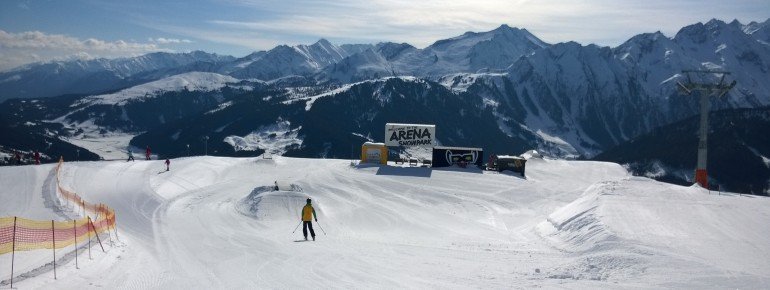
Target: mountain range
565	99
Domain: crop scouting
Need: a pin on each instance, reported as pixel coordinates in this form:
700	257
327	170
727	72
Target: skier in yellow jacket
308	214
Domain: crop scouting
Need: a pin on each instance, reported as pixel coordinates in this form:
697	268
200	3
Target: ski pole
295	228
320	227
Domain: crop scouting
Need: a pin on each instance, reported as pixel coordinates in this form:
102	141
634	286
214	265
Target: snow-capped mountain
99	75
468	53
760	31
493	51
370	64
592	98
302	60
722	46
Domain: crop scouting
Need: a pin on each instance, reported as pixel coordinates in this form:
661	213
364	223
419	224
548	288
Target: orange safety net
20	234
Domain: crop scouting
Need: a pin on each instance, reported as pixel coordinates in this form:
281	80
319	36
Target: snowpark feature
213	222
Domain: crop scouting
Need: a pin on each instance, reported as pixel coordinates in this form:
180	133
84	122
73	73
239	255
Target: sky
45	30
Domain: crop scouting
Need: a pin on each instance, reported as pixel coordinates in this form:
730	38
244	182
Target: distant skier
18	158
168	162
37	157
147	153
308	213
130	155
276	187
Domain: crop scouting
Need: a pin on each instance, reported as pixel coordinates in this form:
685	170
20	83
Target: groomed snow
215	222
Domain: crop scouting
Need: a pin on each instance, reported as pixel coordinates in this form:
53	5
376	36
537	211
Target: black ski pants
305	226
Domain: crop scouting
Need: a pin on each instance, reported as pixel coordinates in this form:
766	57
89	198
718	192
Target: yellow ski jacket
308	213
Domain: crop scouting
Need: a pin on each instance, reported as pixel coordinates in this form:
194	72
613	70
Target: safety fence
20	234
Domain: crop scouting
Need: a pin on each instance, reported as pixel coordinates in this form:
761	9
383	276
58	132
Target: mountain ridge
101	74
471	52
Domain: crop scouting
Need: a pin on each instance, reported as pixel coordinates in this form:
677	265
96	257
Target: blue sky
50	29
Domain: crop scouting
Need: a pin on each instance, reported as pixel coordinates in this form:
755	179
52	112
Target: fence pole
75	228
108	221
107	218
115	225
13	250
53	234
97	236
88	229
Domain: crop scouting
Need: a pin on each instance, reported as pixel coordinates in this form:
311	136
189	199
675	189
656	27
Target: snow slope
30	192
192	81
215	223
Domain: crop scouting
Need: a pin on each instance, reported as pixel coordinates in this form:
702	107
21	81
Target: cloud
266	23
34	46
162	40
417	22
248	38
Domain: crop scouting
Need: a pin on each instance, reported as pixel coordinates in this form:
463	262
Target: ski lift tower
707	90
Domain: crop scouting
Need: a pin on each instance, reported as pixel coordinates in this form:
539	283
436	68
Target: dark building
462	156
505	162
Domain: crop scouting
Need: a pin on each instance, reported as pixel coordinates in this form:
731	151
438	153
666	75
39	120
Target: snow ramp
265	203
636	226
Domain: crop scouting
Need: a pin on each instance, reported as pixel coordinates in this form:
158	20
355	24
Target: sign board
410	135
448	156
373	155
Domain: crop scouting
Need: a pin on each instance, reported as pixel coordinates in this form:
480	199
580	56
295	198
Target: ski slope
214	222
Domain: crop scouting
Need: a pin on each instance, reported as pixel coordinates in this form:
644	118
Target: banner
410	135
461	156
